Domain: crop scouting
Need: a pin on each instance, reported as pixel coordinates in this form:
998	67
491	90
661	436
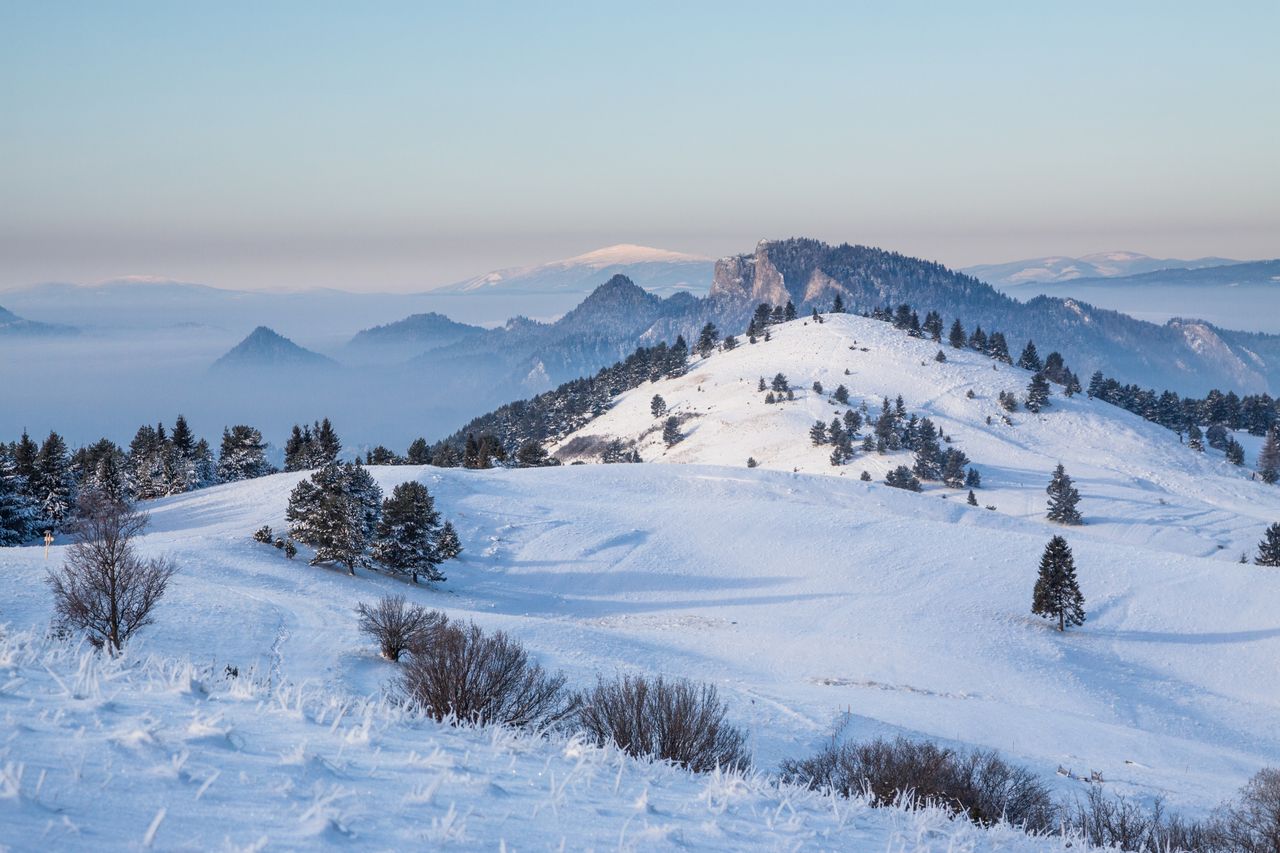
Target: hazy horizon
408	147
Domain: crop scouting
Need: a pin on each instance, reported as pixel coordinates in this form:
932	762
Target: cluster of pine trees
516	428
40	482
340	512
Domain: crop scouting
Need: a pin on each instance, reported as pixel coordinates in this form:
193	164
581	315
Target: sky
401	146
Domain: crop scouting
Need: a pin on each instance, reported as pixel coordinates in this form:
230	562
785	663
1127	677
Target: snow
628	253
820	605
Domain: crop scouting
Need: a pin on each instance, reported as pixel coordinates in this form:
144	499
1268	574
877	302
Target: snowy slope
817	604
1139	485
658	270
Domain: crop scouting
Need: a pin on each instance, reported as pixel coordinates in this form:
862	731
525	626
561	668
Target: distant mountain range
266	349
1242	296
1101	265
11	325
656	270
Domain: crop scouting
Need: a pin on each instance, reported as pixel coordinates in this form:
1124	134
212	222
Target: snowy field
818	604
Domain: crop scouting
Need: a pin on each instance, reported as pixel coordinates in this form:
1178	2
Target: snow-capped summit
657	270
1060	268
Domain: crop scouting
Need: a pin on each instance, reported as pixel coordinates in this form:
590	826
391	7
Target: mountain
11	325
265	348
810	273
408	337
657	270
1100	265
1238	296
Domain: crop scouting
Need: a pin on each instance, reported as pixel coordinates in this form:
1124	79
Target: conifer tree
762	386
532	455
837	305
927	462
729	343
902	478
419	452
818	433
841	395
972	479
956	338
707	339
1235	452
1063	499
1195	438
953	462
1057	594
671	432
326	447
978	340
657	406
19	514
972	499
1269	457
1037	393
1030	359
678	358
1269	547
243	455
55	486
933	326
336	511
998	348
297	449
780	383
448	546
407	535
789	311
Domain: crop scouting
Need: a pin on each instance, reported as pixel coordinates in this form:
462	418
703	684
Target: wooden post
48	540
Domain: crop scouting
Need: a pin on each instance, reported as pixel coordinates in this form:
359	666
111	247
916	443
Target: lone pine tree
1269	457
671	431
1063	498
1037	393
1269	547
1057	594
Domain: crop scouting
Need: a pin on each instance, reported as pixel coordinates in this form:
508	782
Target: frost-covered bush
676	721
979	784
397	626
263	534
465	675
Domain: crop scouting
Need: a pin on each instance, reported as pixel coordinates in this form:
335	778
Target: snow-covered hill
818	604
1140	485
1057	268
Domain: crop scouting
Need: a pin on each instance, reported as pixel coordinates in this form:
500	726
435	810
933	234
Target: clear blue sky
398	146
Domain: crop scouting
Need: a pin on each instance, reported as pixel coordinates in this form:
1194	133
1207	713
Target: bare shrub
1252	823
396	626
675	721
979	784
104	588
462	673
1124	824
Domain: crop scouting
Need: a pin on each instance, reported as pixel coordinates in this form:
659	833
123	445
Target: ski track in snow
815	602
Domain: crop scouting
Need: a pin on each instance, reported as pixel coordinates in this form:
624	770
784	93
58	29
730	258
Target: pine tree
998	349
326	448
1057	594
657	406
841	395
789	311
1269	457
972	499
1063	499
297	449
928	455
837	306
243	455
1195	438
55	485
972	479
1269	547
419	453
956	338
148	475
19	514
1235	452
532	455
707	339
729	343
902	478
762	386
448	546
941	356
953	462
671	431
1037	393
818	433
1030	359
407	535
677	358
336	511
780	383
